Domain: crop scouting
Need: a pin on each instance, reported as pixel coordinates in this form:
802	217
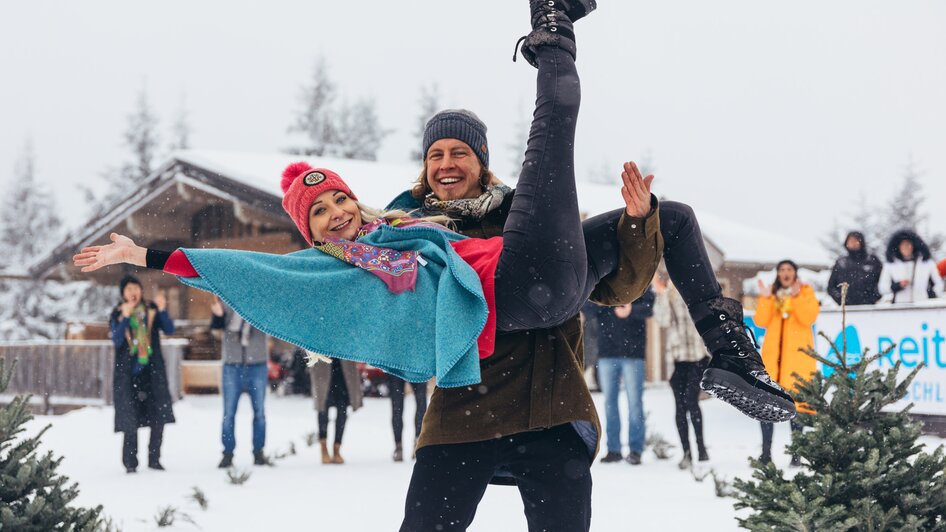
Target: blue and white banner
915	331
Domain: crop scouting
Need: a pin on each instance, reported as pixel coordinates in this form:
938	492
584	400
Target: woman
140	385
909	274
787	311
470	287
689	361
335	385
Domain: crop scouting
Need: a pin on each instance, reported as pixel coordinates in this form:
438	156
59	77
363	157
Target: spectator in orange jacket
786	310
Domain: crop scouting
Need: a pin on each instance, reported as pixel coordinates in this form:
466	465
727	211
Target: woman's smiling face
334	214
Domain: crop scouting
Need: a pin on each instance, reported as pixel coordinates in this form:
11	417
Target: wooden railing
75	371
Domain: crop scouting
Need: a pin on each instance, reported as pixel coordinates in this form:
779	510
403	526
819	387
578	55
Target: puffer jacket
786	333
920	270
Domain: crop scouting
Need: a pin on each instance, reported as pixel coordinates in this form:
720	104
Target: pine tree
28	221
33	496
358	132
864	469
905	208
315	120
142	140
336	129
181	130
429	102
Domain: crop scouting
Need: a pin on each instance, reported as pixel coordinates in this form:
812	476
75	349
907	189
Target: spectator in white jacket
909	274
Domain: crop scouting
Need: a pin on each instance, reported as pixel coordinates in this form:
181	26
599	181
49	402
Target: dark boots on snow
736	374
552	26
226	461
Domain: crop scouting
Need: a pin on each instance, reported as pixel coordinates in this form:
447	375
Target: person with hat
140	389
524	280
910	274
859	269
787	310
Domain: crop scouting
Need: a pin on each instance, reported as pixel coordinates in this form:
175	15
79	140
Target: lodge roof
251	180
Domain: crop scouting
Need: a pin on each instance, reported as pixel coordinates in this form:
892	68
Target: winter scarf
398	269
139	334
467	208
312	299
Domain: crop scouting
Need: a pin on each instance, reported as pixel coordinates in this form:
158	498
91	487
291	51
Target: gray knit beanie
458	124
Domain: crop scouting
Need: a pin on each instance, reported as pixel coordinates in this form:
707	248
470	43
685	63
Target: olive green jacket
534	379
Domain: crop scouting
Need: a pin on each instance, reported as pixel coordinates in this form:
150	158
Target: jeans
610	372
252	380
551	467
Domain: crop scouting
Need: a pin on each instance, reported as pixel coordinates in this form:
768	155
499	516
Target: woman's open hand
636	191
122	249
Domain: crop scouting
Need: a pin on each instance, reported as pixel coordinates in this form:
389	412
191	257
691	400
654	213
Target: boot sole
748	399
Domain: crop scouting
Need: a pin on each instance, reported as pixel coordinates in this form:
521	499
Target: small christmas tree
33	497
863	468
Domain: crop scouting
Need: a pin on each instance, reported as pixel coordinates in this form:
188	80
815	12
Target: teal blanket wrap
320	303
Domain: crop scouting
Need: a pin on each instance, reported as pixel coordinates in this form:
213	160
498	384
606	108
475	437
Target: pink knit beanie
301	184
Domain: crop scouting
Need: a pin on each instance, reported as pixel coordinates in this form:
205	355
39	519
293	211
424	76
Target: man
622	346
861	270
531	421
245	353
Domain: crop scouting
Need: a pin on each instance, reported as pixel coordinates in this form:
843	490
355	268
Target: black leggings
685	384
767	429
130	446
341	416
396	391
543	269
551	261
684	251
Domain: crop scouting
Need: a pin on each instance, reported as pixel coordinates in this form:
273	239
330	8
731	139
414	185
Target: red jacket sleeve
178	264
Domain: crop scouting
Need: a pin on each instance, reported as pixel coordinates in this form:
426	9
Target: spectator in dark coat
622	344
860	269
140	388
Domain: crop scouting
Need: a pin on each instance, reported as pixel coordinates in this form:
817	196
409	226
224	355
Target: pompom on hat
301	184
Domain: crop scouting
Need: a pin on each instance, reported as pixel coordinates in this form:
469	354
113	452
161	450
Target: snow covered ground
367	493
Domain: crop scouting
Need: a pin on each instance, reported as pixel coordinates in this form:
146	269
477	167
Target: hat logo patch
313	178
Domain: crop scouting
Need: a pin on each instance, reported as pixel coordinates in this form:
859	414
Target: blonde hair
369	215
421	188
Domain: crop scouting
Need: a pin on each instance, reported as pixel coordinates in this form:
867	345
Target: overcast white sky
772	114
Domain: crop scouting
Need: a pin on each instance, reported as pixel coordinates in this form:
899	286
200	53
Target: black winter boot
736	373
226	461
552	25
261	459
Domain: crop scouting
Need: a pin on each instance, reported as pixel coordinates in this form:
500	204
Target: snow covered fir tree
863	468
33	496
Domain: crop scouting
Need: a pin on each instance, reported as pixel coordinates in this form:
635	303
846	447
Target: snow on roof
374	183
377	183
739	242
744	243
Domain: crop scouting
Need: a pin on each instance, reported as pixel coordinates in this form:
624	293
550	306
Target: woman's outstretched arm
124	250
121	250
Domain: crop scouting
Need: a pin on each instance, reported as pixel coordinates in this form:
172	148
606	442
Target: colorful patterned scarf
139	338
398	269
476	208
